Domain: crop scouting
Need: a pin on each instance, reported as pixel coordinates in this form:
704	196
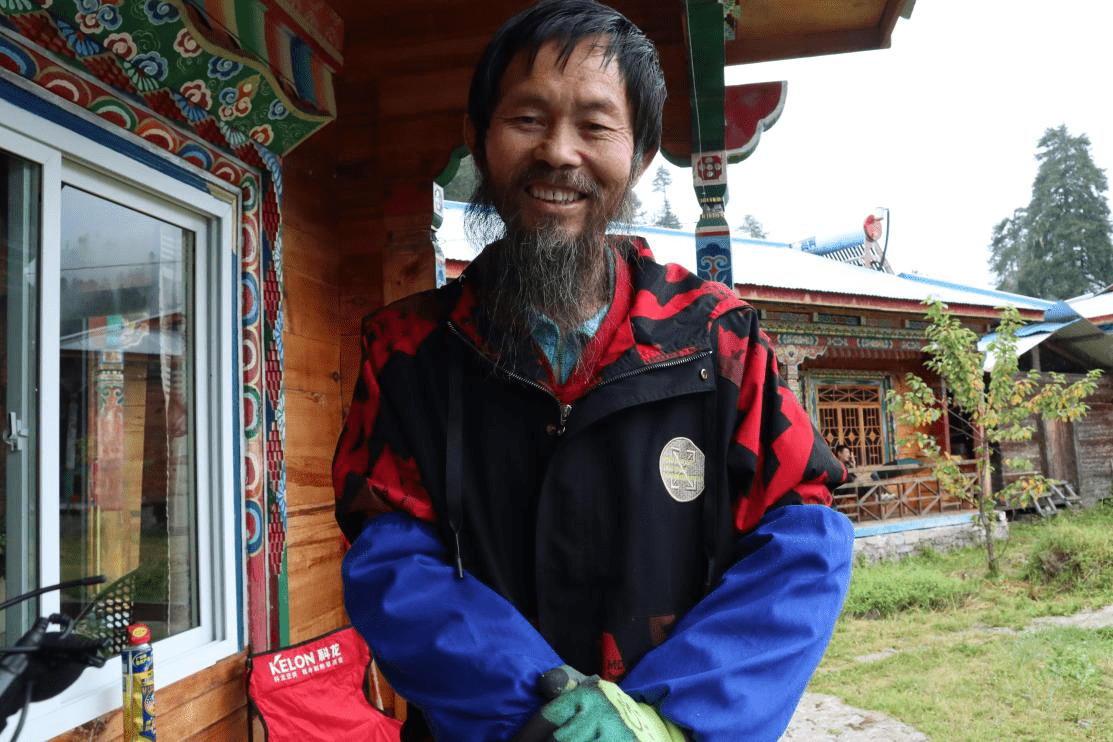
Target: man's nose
559	147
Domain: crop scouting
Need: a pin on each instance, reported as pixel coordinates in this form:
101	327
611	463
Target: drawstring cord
712	490
454	451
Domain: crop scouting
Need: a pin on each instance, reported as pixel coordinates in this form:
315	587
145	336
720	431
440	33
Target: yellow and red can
139	685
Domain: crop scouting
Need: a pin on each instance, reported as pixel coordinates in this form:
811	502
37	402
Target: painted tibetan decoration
750	110
230	70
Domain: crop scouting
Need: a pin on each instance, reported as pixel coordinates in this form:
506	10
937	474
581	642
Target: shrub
1071	556
889	588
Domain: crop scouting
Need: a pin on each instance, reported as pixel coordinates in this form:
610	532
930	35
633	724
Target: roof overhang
1079	340
415	48
775	29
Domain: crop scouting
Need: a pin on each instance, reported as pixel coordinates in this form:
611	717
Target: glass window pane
128	494
20	220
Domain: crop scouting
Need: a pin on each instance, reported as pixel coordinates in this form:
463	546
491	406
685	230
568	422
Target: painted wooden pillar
726	126
791	355
707	58
439	277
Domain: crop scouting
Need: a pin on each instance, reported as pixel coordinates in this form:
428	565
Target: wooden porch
902	490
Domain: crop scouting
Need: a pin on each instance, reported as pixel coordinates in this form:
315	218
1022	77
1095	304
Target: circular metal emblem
681	467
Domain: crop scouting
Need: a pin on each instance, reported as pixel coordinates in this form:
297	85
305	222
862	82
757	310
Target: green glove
588	708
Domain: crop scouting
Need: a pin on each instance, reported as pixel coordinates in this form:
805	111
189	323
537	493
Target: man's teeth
555	195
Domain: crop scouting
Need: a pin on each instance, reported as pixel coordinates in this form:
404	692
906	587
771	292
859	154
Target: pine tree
1009	236
667	218
661	182
1060	245
637	210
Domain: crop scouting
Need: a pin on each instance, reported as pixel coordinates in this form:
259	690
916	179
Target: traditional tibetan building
847	330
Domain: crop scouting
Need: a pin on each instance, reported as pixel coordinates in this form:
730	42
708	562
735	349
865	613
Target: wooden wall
1088	445
313	348
1093	437
209	706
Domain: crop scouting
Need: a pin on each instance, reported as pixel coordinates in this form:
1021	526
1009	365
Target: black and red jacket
601	511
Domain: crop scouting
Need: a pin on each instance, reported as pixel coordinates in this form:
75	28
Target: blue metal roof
1036	328
1019	300
781	265
1060	311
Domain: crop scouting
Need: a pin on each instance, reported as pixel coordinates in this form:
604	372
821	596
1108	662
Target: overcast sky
941	129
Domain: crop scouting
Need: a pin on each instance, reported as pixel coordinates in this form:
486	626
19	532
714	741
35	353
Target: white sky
941	129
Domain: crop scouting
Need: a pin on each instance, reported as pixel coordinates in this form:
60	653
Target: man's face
560	145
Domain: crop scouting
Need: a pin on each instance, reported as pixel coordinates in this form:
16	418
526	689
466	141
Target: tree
1009	235
661	182
752	227
1060	245
637	210
996	406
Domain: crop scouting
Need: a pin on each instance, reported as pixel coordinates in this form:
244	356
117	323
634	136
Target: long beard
542	268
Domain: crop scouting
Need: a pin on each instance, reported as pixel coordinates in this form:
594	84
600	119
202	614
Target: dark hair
568	22
840	447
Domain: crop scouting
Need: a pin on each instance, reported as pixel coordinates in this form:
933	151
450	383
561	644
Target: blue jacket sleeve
451	646
736	664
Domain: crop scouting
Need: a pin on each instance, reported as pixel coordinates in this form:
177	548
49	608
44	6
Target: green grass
958	658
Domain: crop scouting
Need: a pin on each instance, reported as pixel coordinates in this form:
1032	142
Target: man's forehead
562	55
558	52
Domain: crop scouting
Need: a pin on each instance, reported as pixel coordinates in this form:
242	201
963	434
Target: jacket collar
659	313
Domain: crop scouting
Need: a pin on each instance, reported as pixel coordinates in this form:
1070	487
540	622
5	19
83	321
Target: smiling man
582	505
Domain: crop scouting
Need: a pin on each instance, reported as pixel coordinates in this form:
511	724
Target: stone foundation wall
897	540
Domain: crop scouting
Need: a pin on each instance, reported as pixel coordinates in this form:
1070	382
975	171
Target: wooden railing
898	491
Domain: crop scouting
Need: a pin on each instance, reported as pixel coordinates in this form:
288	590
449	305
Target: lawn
936	643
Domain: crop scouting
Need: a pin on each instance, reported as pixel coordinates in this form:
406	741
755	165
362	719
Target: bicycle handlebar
44	663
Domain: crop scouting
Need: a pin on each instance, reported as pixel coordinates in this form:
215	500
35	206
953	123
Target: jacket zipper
565	410
653	367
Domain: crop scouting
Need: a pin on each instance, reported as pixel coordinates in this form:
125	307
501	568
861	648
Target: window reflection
127	496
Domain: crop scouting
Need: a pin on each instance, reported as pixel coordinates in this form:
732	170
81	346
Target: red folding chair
316	691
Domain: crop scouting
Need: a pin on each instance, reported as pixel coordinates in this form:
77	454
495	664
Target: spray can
139	685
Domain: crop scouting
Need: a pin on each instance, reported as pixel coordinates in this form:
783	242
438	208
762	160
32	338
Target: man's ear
647	158
470	140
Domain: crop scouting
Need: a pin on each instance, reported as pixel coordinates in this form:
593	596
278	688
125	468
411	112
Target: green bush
885	589
1072	555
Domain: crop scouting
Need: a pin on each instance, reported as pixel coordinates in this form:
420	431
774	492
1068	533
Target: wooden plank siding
1093	445
1083	448
312	343
205	707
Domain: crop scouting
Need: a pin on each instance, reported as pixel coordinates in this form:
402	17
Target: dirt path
821	718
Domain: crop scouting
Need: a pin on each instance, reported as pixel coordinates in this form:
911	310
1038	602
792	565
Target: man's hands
587	708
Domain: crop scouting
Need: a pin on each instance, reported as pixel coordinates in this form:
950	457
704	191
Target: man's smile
554	194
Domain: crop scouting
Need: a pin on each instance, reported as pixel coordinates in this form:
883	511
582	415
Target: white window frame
67	157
